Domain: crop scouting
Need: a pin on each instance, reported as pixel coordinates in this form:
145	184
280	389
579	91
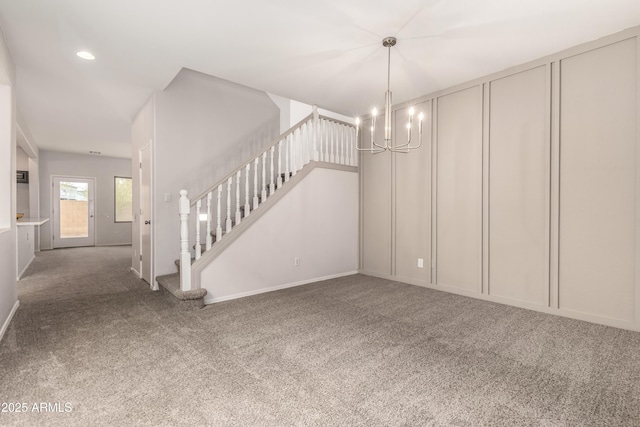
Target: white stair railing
316	137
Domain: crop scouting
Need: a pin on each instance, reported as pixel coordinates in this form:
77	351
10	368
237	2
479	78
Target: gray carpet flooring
92	340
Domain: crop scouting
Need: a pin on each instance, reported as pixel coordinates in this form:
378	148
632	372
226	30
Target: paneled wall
375	190
519	176
411	174
458	188
526	191
598	183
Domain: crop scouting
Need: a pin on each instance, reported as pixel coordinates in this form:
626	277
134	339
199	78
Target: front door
73	212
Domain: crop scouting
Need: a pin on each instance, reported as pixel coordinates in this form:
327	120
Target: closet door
519	174
598	181
459	190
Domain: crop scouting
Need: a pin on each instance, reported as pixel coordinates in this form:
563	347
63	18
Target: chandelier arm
371	149
407	145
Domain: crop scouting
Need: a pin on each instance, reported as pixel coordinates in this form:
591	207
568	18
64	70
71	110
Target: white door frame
92	206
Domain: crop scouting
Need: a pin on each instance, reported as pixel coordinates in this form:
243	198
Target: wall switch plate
296	262
167	197
420	263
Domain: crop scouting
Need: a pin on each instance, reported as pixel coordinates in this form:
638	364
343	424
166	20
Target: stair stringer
229	238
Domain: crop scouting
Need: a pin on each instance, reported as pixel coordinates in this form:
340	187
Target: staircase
210	221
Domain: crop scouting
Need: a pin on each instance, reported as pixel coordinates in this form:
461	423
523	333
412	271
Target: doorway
73	212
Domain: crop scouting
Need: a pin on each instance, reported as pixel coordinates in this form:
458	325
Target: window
123	199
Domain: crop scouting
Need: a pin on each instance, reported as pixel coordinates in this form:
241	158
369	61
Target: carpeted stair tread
171	282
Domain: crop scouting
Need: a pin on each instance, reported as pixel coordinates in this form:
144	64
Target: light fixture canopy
86	55
376	148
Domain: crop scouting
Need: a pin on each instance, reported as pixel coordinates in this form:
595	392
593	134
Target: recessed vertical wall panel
519	187
598	170
376	205
413	198
459	190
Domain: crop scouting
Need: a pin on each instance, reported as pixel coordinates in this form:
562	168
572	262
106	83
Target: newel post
316	121
185	255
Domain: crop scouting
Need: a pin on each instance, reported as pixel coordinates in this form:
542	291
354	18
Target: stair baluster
341	143
247	206
272	187
305	147
228	223
185	255
264	177
351	149
238	214
255	185
316	153
219	214
323	140
293	146
279	164
332	141
209	238
286	161
198	246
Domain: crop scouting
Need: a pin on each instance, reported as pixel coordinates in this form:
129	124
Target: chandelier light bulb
374	112
412	111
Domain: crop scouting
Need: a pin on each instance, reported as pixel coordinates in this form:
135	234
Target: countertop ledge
31	221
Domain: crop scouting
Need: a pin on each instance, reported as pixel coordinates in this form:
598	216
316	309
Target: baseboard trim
6	323
585	317
25	268
277	288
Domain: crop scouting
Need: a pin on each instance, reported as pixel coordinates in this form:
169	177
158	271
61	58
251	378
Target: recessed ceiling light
86	55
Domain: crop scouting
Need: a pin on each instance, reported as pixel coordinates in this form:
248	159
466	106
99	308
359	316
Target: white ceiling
326	52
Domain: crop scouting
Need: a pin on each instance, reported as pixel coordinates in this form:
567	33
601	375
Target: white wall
316	221
104	169
8	294
205	128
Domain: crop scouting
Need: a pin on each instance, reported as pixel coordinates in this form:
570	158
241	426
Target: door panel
73	212
145	214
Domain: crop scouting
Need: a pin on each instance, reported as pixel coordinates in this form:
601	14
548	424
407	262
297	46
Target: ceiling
325	52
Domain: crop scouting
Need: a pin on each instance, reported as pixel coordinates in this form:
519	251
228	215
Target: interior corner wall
104	170
8	291
529	191
205	128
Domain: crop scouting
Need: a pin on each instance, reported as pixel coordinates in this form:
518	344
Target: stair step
186	299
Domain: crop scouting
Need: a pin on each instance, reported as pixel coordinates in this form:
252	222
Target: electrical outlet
296	261
420	263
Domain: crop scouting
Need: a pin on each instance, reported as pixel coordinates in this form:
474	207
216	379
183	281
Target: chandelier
376	148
